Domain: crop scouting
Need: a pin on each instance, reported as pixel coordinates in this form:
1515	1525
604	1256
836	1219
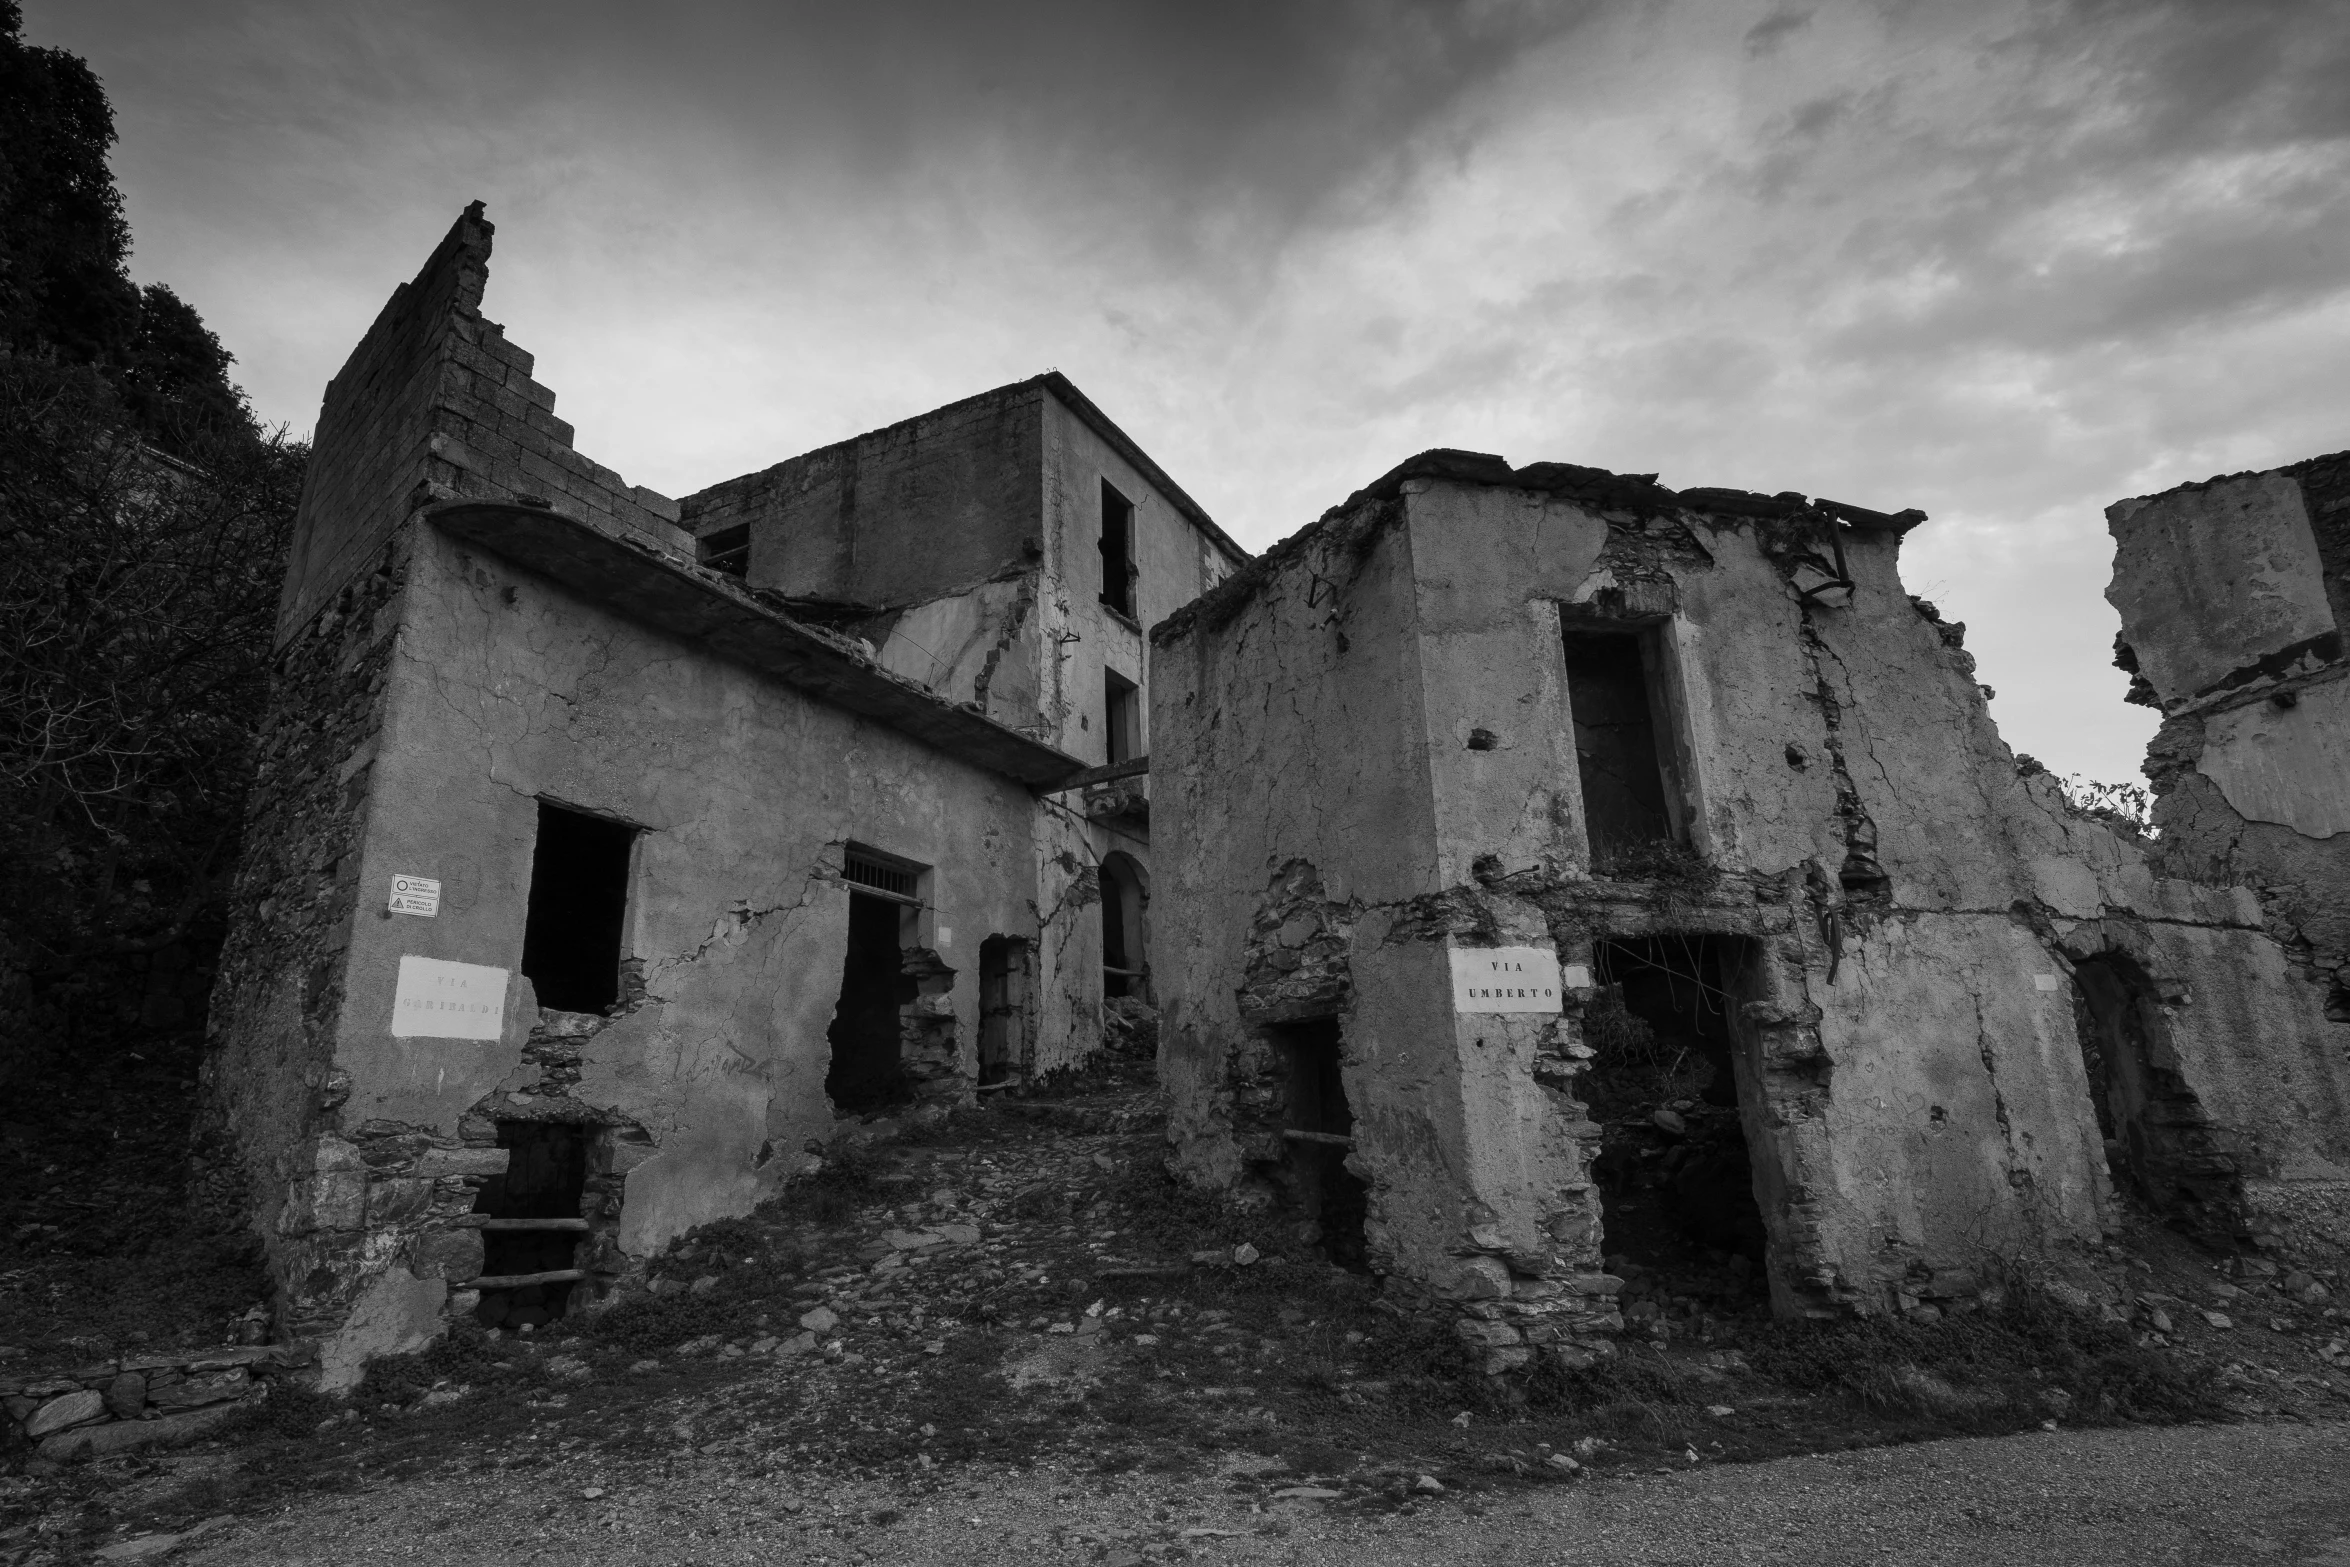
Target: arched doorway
1125	931
2159	1143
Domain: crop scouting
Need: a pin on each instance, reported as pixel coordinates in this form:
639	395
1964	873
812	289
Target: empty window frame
578	905
1121	716
1117	551
727	550
1616	696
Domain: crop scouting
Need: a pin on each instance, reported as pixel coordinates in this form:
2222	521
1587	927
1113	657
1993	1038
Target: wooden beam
1132	767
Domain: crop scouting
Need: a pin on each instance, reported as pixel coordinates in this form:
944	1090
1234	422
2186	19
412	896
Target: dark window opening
2159	1143
546	1174
1612	695
867	1070
578	903
1680	1220
1003	1009
1117	551
1122	717
1318	1128
727	550
1124	969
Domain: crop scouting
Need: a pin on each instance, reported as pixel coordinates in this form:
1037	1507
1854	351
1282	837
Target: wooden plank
515	1281
482	1221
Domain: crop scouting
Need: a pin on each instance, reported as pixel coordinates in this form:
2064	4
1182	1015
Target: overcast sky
2006	262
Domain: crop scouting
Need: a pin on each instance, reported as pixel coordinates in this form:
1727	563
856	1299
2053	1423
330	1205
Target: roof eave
713	611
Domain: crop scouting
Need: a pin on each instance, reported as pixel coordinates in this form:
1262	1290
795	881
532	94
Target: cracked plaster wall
2234	594
422	707
1377	710
969	537
506	690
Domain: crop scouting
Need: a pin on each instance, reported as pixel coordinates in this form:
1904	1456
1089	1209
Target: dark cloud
1273	110
2137	169
1773	30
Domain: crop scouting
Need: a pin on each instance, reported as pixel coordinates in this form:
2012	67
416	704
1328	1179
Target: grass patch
463	1356
2027	1356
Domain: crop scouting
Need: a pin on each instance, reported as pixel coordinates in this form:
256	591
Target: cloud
1765	36
2003	261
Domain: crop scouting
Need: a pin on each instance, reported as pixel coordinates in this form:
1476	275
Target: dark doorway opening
533	1227
578	905
1124	969
1676	1179
2159	1143
1117	551
1612	694
866	1033
1003	1009
1319	1130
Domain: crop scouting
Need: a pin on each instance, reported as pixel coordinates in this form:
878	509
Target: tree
143	524
62	235
137	594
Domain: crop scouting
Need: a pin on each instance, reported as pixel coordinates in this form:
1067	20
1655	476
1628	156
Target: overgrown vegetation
143	524
2126	807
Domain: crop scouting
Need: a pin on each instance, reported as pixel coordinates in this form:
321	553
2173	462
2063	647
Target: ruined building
2234	594
1568	891
1564	880
606	848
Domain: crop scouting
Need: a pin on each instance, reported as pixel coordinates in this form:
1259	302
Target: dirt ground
2201	1495
1015	1316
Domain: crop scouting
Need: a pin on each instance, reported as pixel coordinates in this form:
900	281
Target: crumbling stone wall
267	1076
1377	710
434	404
2234	593
134	1402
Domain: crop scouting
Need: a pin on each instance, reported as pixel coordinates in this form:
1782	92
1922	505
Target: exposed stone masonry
1374	713
142	1401
267	1080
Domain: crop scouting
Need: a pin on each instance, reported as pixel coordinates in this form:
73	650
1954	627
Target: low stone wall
114	1406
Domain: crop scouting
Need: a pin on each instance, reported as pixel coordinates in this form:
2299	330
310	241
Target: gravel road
2197	1495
